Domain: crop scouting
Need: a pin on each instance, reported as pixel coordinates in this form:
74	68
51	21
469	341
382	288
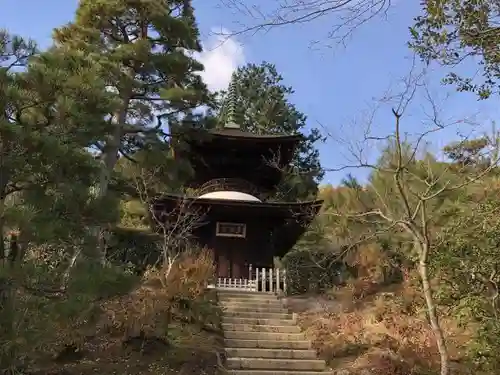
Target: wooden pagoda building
235	174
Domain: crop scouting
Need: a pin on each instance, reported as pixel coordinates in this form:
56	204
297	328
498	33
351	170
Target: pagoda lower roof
292	218
270	209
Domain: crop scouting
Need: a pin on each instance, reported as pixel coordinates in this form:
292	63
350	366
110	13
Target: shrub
317	271
36	322
136	246
375	337
110	305
99	282
191	274
187	284
375	264
310	271
149	310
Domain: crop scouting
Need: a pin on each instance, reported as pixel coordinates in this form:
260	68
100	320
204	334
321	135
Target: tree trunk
67	272
108	162
109	159
431	310
2	229
14	253
167	268
2	240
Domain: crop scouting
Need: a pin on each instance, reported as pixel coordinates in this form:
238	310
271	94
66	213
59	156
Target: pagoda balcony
230	184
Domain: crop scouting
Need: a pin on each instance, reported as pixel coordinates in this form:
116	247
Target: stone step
258	315
264	336
257	321
236	363
250	301
261	337
259	328
271	353
267	344
277	372
250	304
245	294
263	299
246	297
273	310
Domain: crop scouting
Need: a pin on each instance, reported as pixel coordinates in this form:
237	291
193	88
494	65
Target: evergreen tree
263	107
48	110
143	48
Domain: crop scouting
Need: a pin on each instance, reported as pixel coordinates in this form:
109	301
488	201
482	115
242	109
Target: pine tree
50	111
144	48
14	52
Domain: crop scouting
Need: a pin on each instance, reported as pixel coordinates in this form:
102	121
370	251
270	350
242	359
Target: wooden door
223	264
231	257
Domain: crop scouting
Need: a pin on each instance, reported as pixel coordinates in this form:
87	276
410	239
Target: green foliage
466	153
105	283
475	154
36	323
116	78
339	203
151	172
143	51
467	264
401	181
139	247
44	169
263	107
14	50
133	214
316	235
100	86
313	271
452	31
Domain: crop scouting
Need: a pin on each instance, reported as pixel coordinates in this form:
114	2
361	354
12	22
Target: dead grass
366	329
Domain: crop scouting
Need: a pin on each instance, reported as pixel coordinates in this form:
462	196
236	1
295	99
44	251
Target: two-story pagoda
235	172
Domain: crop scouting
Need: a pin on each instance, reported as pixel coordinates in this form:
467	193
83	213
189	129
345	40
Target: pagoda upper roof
233	153
236	133
232	137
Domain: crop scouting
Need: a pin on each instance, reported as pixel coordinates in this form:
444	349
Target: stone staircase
262	338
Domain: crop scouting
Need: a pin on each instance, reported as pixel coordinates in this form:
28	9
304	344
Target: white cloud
221	57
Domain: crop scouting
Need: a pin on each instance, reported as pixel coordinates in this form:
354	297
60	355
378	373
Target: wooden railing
266	280
238	284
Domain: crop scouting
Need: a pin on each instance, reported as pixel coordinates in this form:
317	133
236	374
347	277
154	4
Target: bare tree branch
344	16
175	227
407	185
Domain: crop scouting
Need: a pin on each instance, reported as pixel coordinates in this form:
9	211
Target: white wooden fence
239	284
267	280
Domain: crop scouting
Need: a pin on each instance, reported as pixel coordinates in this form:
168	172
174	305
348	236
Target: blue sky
335	86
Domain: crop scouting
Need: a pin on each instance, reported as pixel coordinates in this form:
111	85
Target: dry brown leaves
378	335
148	307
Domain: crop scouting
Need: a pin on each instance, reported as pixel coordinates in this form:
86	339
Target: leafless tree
175	226
410	196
